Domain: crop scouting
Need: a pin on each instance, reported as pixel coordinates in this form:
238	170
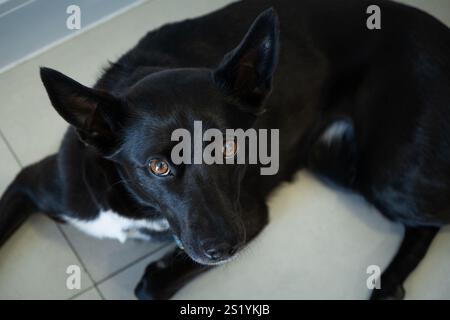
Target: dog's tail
15	207
19	200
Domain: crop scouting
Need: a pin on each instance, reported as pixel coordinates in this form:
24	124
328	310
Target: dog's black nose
215	250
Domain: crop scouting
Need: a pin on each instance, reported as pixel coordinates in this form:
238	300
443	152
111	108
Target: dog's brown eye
159	167
229	149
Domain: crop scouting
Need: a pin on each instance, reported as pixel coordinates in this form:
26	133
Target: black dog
368	109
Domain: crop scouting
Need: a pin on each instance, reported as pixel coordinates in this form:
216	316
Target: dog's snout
218	250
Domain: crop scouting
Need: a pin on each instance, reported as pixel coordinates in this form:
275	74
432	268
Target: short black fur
302	67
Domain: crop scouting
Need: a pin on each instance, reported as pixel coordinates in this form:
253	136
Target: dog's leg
19	200
163	278
414	246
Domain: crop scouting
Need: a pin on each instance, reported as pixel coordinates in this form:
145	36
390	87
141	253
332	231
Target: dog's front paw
388	293
155	283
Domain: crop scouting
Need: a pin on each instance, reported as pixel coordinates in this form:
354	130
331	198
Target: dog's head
133	130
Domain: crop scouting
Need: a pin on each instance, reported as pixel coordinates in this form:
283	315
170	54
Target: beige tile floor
318	244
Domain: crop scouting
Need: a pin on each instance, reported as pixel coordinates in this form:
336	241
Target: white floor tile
431	279
121	286
33	263
27	120
102	257
91	294
9	166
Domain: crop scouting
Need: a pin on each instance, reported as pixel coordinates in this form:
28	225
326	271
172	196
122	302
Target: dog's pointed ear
246	72
95	114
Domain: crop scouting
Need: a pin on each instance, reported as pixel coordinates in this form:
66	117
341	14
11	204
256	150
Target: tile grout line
100	293
13	153
115	273
95	284
80	293
83	265
10	148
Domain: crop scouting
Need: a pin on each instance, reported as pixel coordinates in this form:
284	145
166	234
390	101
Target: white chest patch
109	224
